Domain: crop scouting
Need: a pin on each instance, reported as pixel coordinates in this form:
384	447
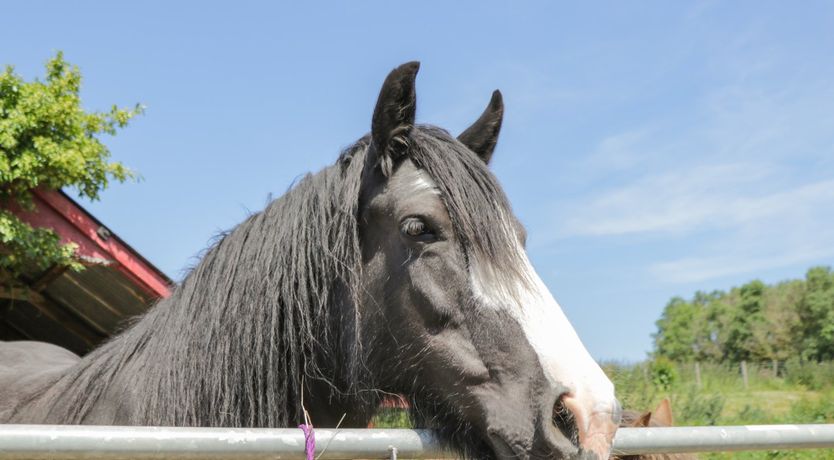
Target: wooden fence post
744	374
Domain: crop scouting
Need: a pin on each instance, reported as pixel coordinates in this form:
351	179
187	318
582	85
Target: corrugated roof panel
98	295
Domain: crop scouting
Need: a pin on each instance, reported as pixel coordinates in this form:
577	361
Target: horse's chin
468	444
501	449
454	433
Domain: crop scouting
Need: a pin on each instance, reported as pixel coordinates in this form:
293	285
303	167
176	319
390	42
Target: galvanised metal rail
109	443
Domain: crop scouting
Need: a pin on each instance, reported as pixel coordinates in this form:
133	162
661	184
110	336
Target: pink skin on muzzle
596	427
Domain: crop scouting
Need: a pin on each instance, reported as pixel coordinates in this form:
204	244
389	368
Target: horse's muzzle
596	425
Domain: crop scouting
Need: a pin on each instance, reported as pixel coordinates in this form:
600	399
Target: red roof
78	310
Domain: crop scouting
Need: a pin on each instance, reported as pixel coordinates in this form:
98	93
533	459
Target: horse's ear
394	115
482	136
663	413
642	421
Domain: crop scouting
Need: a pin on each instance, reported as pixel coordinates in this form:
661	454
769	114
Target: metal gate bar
683	439
50	442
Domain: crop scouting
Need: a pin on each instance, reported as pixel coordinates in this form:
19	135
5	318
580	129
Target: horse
399	269
661	416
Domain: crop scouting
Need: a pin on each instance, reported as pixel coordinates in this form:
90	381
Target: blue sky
651	148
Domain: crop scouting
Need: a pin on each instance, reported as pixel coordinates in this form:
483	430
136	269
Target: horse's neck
181	365
78	392
100	388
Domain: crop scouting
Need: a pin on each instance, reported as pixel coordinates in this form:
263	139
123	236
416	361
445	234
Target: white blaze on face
563	357
422	183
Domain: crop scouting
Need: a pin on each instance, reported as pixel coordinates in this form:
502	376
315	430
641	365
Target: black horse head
453	315
399	269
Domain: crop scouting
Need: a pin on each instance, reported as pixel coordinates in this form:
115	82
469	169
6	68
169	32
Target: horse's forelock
476	203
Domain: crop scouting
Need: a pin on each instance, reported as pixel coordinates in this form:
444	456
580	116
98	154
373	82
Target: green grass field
801	393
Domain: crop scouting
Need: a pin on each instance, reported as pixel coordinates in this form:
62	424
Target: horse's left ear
643	421
482	136
394	115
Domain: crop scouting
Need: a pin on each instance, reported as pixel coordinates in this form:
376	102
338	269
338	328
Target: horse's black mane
273	302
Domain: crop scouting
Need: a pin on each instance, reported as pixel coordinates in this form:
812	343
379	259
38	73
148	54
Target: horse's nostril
564	420
617	412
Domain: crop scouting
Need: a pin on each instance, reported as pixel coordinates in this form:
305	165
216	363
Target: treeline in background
756	354
755	322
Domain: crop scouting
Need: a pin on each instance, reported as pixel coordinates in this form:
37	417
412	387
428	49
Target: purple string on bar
309	441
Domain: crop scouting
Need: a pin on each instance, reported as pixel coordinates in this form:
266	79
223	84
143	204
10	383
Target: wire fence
36	442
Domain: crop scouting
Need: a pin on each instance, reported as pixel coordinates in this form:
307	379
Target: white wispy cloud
676	201
619	151
695	269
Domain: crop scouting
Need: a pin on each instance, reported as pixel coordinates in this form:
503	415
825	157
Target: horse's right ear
482	136
663	413
394	116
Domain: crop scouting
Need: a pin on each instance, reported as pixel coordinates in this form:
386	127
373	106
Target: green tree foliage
776	336
742	318
48	140
689	330
816	310
675	338
664	373
754	322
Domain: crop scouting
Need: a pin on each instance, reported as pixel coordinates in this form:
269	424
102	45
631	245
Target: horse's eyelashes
414	227
417	228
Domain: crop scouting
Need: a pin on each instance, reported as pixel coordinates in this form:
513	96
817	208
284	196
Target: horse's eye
416	228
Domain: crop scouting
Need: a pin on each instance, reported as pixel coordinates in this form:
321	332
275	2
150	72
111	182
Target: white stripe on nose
562	356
